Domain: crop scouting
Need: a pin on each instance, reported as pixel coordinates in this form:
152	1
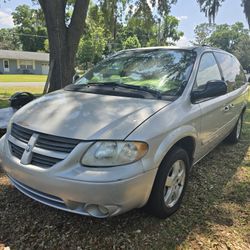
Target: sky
187	11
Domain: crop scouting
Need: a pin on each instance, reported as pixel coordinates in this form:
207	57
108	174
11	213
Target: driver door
213	117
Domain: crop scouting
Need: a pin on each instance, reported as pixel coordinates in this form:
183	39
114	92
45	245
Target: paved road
21	84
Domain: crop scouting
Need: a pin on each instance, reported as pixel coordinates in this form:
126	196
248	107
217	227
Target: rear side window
232	71
208	71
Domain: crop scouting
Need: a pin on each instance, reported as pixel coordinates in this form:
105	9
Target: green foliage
9	40
202	33
227	36
139	29
30	26
141	23
86	52
232	38
94	40
242	52
131	42
153	31
169	31
46	45
222	36
108	27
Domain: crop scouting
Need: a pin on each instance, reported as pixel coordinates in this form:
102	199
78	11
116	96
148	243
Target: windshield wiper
114	84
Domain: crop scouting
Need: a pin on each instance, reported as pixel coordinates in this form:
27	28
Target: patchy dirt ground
215	214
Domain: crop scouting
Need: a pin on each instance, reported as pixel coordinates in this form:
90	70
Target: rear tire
170	184
235	135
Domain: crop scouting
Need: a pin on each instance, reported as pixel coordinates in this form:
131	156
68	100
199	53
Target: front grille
20	133
50	143
43	160
45	141
16	151
56	143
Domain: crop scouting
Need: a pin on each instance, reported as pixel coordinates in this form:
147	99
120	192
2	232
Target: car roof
198	49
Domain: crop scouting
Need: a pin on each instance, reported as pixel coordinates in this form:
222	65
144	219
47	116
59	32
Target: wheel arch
184	137
188	144
244	109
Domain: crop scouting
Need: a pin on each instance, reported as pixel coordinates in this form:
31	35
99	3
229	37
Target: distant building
23	62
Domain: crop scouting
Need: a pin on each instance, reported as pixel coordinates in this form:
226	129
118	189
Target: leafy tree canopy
222	36
30	26
202	33
131	42
228	36
9	39
232	38
242	52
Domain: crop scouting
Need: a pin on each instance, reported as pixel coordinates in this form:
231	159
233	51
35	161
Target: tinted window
208	71
232	71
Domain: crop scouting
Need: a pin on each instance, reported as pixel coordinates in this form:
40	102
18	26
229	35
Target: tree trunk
63	40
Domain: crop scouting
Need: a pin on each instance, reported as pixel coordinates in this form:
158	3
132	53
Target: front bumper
74	188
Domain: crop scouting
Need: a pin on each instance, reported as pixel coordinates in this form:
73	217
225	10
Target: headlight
113	153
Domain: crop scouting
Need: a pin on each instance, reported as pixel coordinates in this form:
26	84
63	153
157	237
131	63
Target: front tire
235	135
170	184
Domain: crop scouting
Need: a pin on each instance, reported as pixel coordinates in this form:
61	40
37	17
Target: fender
171	139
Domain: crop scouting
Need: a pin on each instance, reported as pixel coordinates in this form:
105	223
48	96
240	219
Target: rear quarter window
232	71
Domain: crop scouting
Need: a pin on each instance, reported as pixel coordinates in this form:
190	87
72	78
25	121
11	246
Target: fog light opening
97	211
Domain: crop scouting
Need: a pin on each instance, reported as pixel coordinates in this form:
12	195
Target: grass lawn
22	78
6	92
215	213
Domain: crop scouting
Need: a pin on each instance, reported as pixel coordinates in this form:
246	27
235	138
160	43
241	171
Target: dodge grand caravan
126	134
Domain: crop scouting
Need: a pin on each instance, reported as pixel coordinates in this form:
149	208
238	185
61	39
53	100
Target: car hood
86	116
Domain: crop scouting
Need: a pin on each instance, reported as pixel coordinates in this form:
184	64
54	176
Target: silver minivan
127	133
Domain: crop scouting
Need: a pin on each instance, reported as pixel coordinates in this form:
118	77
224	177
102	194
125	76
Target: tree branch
77	22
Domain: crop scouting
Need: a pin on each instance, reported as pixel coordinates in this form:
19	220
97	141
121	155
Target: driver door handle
226	108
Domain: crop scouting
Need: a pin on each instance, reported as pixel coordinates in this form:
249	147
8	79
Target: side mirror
212	89
75	78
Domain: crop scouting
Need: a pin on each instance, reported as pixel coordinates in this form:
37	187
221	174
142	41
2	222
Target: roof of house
24	55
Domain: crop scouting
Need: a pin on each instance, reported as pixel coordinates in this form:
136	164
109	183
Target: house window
6	65
26	64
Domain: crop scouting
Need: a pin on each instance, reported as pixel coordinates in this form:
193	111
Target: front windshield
163	70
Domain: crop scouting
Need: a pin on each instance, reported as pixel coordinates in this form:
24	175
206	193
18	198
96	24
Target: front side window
208	71
232	71
161	70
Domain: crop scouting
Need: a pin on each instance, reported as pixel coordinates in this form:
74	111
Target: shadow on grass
25	223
